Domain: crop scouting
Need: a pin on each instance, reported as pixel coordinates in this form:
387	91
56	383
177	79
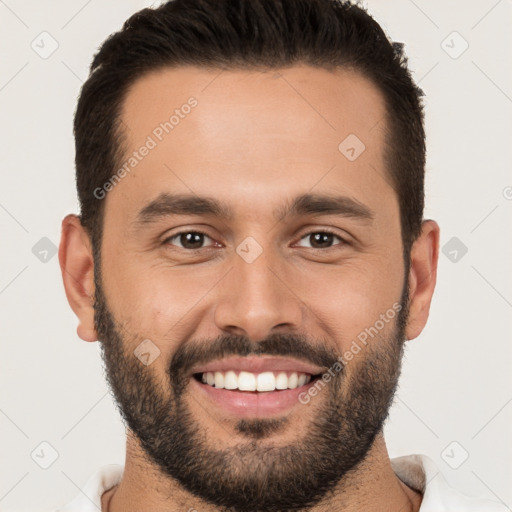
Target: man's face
254	291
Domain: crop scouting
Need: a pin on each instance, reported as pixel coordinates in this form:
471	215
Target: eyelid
330	231
304	234
185	231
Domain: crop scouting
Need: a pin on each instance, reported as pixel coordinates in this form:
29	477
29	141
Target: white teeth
266	382
219	380
247	381
282	381
230	380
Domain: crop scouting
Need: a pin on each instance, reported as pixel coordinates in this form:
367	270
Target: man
252	255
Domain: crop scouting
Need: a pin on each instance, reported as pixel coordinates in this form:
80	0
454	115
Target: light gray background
456	383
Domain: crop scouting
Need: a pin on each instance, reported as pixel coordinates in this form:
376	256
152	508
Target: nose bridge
254	299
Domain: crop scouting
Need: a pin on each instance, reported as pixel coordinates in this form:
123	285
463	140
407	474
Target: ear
422	277
77	268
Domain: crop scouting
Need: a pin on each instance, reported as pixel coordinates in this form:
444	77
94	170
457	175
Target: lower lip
251	404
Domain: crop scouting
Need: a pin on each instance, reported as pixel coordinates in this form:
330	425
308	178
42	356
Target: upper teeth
246	381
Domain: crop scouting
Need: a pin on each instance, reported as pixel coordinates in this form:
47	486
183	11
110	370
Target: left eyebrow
322	204
166	205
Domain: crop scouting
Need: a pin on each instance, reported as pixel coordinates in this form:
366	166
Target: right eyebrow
181	204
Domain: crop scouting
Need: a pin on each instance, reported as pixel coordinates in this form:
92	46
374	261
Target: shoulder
420	473
89	498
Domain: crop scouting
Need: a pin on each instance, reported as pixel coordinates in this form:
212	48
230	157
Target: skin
254	141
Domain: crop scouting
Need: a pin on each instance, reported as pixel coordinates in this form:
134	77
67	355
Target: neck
371	486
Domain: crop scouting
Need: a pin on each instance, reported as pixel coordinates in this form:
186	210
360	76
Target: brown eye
321	239
188	240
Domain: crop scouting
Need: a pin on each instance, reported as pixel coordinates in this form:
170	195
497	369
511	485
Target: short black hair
249	34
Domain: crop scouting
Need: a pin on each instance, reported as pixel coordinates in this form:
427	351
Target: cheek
156	300
353	300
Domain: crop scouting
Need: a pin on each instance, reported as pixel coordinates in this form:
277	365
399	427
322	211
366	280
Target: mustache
284	345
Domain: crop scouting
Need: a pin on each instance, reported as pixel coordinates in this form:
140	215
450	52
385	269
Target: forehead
252	135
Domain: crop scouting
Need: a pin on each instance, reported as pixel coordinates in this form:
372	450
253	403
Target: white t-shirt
417	471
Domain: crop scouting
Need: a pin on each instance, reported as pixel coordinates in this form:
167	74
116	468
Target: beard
255	475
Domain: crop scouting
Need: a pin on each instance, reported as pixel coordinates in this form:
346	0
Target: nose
256	299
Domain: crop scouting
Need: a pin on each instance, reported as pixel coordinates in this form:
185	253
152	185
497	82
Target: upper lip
258	364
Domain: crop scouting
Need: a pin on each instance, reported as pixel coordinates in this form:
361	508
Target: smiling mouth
267	381
254	386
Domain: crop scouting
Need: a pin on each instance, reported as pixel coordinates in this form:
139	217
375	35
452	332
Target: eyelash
309	233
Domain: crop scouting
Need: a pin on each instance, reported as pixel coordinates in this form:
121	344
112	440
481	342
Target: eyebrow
166	205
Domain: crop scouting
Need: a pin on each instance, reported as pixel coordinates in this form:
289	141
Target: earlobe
77	269
422	277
